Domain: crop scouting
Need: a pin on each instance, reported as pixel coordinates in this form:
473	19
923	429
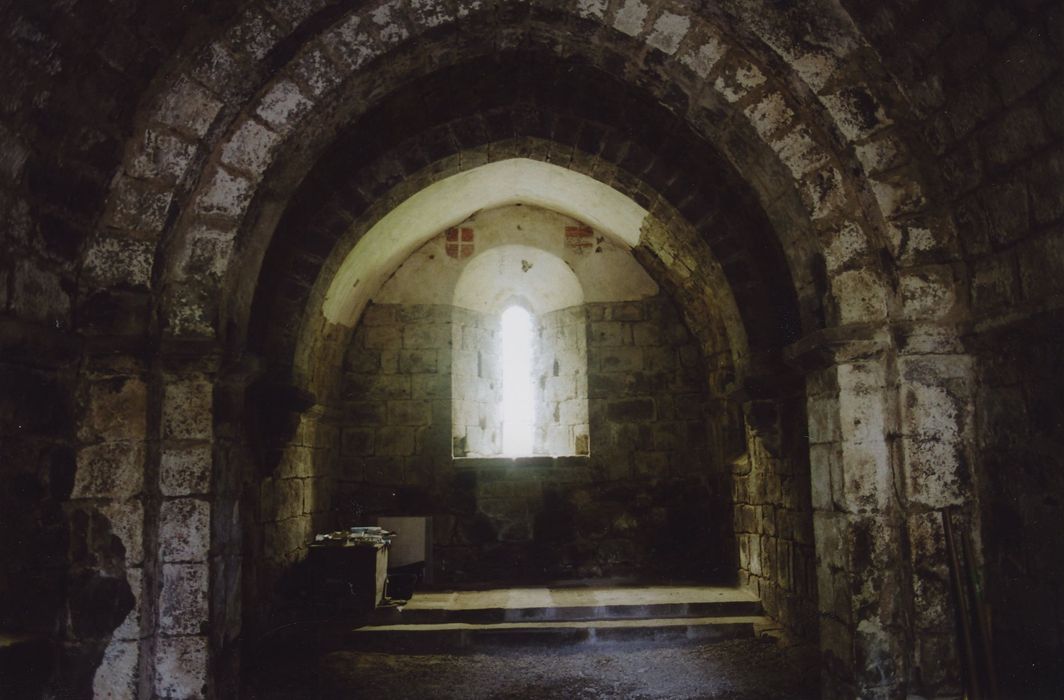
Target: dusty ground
735	670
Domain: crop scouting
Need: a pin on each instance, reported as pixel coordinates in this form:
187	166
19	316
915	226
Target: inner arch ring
454	199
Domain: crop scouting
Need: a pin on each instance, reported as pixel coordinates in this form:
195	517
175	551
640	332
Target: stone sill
521	463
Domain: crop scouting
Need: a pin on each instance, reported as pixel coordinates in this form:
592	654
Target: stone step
460	635
441	620
570	604
573	613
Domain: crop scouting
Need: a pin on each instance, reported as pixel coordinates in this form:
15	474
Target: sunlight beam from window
517	398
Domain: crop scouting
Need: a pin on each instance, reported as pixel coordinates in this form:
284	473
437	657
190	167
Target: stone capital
839	345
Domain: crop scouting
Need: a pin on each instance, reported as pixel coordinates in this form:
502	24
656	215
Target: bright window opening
518	410
519	356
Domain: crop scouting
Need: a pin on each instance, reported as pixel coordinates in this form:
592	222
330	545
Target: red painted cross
459	243
579	237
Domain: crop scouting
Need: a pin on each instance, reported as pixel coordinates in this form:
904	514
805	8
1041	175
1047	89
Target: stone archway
844	294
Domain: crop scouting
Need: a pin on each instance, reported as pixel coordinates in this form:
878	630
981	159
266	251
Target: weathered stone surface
139	207
116	409
384	336
14	156
881	154
929	293
631	16
667	443
216	67
254	35
702	58
162	155
37	293
187	411
799	151
631	410
206	252
390	22
409	413
120	262
184	530
824	421
426	336
314	70
857	112
825	462
185	471
845	247
286	539
282	498
610	333
188	106
860	295
937	396
417	361
110	119
293	12
283	105
181	667
824	193
395	441
227	194
183	599
250	147
862	389
615	359
117	676
668	31
738	79
109	470
432	14
770	115
898	195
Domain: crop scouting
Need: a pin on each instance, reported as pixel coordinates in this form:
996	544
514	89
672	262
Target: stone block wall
560	368
647	393
773	515
295	499
277	482
979	97
988	96
181	557
476	382
540	519
650	469
395	418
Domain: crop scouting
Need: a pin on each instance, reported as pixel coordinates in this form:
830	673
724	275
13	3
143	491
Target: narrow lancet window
517	388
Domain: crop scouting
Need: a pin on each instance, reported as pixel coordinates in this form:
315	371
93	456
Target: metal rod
982	617
962	611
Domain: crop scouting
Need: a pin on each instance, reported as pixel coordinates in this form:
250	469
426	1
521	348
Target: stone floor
557	597
737	670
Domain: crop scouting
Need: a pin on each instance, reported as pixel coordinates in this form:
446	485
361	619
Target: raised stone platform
552	616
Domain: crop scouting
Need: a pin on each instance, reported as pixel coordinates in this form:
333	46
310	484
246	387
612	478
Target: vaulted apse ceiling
449	201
